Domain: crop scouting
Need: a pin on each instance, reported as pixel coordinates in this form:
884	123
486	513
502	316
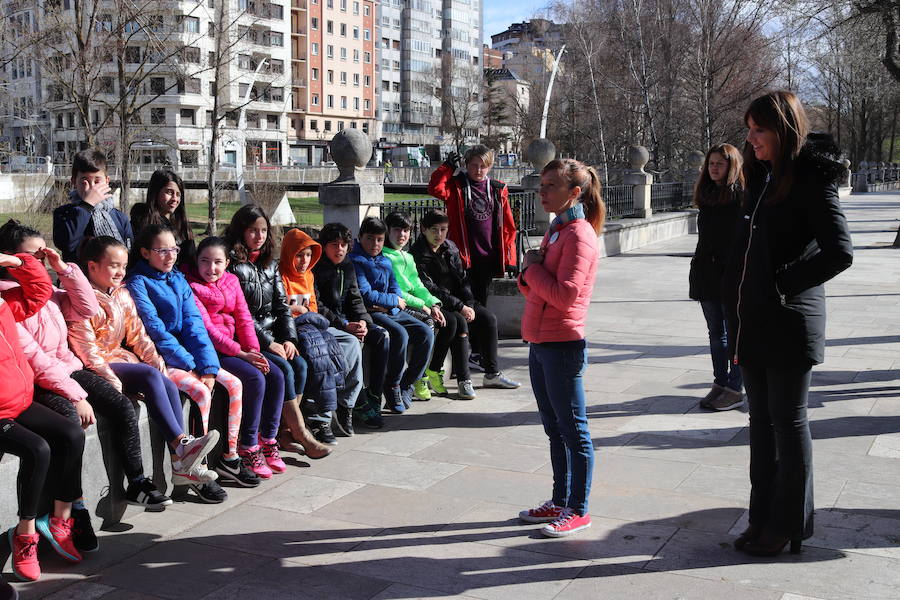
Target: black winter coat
325	358
716	225
784	253
337	293
443	274
265	295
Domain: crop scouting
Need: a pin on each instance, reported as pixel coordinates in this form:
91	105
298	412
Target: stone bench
101	465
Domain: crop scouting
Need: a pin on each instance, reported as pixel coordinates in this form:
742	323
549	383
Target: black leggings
110	404
452	337
47	444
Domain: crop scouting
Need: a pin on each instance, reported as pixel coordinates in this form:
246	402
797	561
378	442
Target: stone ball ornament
540	152
351	150
638	156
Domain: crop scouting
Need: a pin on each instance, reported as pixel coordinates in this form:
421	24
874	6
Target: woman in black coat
793	237
718	196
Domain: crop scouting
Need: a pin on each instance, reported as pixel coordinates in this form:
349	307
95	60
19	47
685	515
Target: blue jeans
724	373
405	331
556	370
294	371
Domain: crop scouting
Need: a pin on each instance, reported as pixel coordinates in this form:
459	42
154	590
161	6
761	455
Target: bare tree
457	86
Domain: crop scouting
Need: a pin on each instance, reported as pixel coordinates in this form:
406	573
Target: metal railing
668	196
619	201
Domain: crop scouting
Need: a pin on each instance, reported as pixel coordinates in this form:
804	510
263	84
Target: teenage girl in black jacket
793	237
718	196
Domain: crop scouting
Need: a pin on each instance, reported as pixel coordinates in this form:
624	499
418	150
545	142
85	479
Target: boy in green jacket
415	293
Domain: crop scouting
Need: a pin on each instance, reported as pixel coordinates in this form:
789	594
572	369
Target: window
344	102
366	10
395	86
355	55
365	126
340	125
367	35
157	116
367	81
276	39
211	58
59	121
211	29
355	103
273	121
329	51
192	85
329	26
343	77
327	125
356	79
367	57
314	124
385	43
133	54
191	54
343	30
356	8
315	48
188	24
72	119
243	88
343	53
329	3
385	85
329	101
212	88
314	74
314	23
253	120
315	99
276	11
367	104
344	5
330	76
188	116
352	124
209	118
106	85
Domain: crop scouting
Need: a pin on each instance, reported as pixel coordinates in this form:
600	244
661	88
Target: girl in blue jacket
166	305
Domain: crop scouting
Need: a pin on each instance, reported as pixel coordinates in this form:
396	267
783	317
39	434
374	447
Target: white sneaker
191	451
196	475
465	390
499	380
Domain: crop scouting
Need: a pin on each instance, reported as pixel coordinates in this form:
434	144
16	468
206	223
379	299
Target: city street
427	507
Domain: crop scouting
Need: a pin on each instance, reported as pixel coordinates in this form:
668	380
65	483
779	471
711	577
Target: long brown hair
179	220
246	216
709	193
577	173
782	113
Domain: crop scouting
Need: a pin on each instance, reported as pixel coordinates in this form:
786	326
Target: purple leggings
160	395
263	398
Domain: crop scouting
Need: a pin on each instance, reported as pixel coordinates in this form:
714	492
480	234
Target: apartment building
332	73
179	57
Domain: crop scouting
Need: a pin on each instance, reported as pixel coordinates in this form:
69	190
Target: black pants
781	471
480	275
46	444
110	404
454	338
483	331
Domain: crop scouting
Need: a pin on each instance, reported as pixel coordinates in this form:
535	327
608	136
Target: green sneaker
421	390
436	381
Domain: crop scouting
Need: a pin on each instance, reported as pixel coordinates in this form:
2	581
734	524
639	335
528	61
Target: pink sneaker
544	513
24	555
568	523
59	533
253	459
273	458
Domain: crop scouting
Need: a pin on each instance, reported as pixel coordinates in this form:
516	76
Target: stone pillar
862	182
846	176
539	152
640	180
355	194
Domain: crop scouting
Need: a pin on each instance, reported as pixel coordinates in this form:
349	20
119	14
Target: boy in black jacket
339	300
441	270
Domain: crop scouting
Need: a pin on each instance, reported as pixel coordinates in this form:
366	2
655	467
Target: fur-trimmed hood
820	159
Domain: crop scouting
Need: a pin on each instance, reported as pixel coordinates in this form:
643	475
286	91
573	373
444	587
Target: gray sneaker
727	400
499	380
465	391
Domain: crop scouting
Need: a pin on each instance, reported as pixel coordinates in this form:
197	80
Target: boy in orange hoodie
299	253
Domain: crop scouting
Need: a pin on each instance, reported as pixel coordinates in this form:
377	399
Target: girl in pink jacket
225	314
557	282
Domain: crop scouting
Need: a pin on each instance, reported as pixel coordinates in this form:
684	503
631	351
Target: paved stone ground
425	509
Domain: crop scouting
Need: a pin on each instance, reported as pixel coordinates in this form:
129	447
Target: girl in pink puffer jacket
557	282
223	307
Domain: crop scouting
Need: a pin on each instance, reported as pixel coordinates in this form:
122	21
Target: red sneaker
59	533
568	523
273	457
544	513
24	555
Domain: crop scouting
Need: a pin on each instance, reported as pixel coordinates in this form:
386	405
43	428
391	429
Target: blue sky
500	14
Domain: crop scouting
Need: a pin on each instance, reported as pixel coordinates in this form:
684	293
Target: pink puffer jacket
44	335
558	291
225	314
103	338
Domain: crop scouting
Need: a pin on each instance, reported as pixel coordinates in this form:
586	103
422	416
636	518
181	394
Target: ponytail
594	208
577	173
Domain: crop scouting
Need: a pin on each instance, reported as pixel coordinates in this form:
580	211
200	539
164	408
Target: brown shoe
712	395
314	449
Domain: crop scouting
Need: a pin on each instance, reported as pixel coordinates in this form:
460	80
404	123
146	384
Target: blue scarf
575	211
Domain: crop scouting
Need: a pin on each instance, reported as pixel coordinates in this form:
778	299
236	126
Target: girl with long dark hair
165	206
